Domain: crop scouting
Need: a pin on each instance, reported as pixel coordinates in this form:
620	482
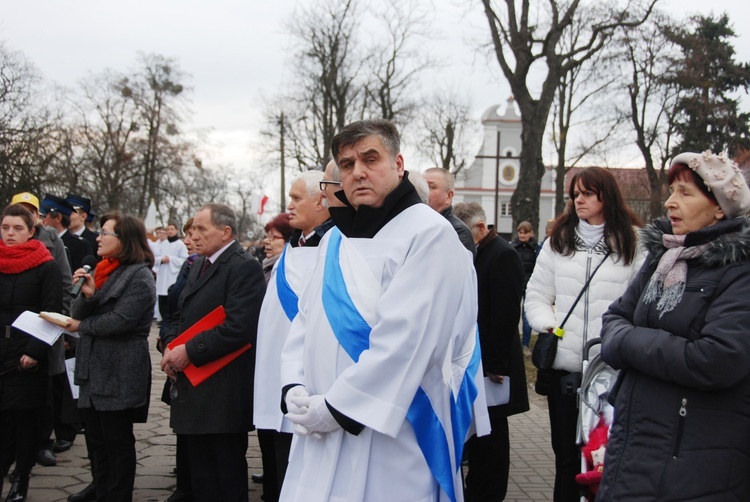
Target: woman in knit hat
680	336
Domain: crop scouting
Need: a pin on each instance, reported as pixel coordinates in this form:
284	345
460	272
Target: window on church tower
505	209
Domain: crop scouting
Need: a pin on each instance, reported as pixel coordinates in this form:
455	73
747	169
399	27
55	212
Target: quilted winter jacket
555	284
682	411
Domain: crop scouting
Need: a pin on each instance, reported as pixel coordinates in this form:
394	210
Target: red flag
263	204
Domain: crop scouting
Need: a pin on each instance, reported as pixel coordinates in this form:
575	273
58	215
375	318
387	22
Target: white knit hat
722	177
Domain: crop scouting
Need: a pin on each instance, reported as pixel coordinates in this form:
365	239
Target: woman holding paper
113	368
30	279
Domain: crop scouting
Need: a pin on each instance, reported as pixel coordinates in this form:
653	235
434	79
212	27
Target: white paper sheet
30	322
497	393
70	366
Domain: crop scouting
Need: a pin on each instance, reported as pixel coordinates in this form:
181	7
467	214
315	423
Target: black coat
464	232
78	248
682	412
499	280
37	289
527	251
224	402
90	237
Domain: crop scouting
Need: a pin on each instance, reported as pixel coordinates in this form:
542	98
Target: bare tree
398	62
28	127
578	107
652	106
532	34
446	126
157	89
327	94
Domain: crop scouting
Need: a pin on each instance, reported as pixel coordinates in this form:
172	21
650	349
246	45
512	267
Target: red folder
197	375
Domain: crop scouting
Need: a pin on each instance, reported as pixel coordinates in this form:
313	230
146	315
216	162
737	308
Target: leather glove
296	391
316	417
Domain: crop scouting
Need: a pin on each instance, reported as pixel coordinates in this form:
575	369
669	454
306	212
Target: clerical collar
367	221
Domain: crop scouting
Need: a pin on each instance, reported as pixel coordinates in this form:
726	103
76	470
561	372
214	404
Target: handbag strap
583	289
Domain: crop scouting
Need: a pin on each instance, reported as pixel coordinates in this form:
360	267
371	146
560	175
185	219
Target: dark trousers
489	463
563	418
218	467
182	464
111	445
19	433
52	417
274	449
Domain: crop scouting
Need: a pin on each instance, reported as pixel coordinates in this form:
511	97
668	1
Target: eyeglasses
323	184
105	233
271	237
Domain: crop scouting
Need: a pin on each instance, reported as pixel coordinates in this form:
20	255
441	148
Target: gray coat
682	413
223	403
113	364
54	245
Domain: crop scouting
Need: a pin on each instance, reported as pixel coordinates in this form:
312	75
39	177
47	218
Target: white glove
296	391
316	417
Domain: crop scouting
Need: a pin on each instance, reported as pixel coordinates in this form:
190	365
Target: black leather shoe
88	494
257	478
46	458
18	489
180	496
61	445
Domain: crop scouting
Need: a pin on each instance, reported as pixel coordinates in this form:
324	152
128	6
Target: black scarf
367	221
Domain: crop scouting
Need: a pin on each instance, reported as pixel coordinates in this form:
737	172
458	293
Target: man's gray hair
356	131
448	180
311	180
222	216
470	213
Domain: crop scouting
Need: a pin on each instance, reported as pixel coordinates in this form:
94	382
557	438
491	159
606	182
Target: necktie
302	240
205	266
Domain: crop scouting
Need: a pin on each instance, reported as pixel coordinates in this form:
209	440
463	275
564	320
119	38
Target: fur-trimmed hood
728	241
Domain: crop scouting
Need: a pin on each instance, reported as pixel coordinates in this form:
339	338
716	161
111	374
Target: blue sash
287	297
353	332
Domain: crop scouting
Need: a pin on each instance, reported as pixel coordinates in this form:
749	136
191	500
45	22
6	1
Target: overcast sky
237	50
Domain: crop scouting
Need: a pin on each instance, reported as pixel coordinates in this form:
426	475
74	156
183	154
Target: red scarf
22	257
103	270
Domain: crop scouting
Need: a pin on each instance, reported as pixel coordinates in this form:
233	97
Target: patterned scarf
22	257
103	270
668	281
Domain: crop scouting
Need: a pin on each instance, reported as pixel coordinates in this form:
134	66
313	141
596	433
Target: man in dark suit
441	184
81	215
216	415
57	213
500	284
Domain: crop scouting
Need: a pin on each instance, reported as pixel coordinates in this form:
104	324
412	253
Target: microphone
88	262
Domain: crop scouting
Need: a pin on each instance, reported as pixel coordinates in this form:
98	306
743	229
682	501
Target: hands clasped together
310	414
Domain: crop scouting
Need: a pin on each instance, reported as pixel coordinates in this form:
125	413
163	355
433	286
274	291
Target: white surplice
415	286
166	273
273	327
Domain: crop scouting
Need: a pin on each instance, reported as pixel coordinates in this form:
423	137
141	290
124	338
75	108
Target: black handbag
545	348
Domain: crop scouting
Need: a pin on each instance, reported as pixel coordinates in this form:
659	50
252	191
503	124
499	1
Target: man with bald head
441	185
330	184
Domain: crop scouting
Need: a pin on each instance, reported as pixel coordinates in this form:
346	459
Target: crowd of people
374	343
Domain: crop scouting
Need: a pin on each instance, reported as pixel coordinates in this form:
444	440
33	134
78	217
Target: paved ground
532	469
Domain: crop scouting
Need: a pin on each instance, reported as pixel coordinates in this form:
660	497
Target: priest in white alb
380	363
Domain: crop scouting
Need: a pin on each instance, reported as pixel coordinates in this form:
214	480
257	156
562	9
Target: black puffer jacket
682	411
37	289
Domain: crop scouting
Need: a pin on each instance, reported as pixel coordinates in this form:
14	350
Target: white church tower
492	177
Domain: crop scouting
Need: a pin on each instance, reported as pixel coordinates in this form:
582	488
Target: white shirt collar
216	255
